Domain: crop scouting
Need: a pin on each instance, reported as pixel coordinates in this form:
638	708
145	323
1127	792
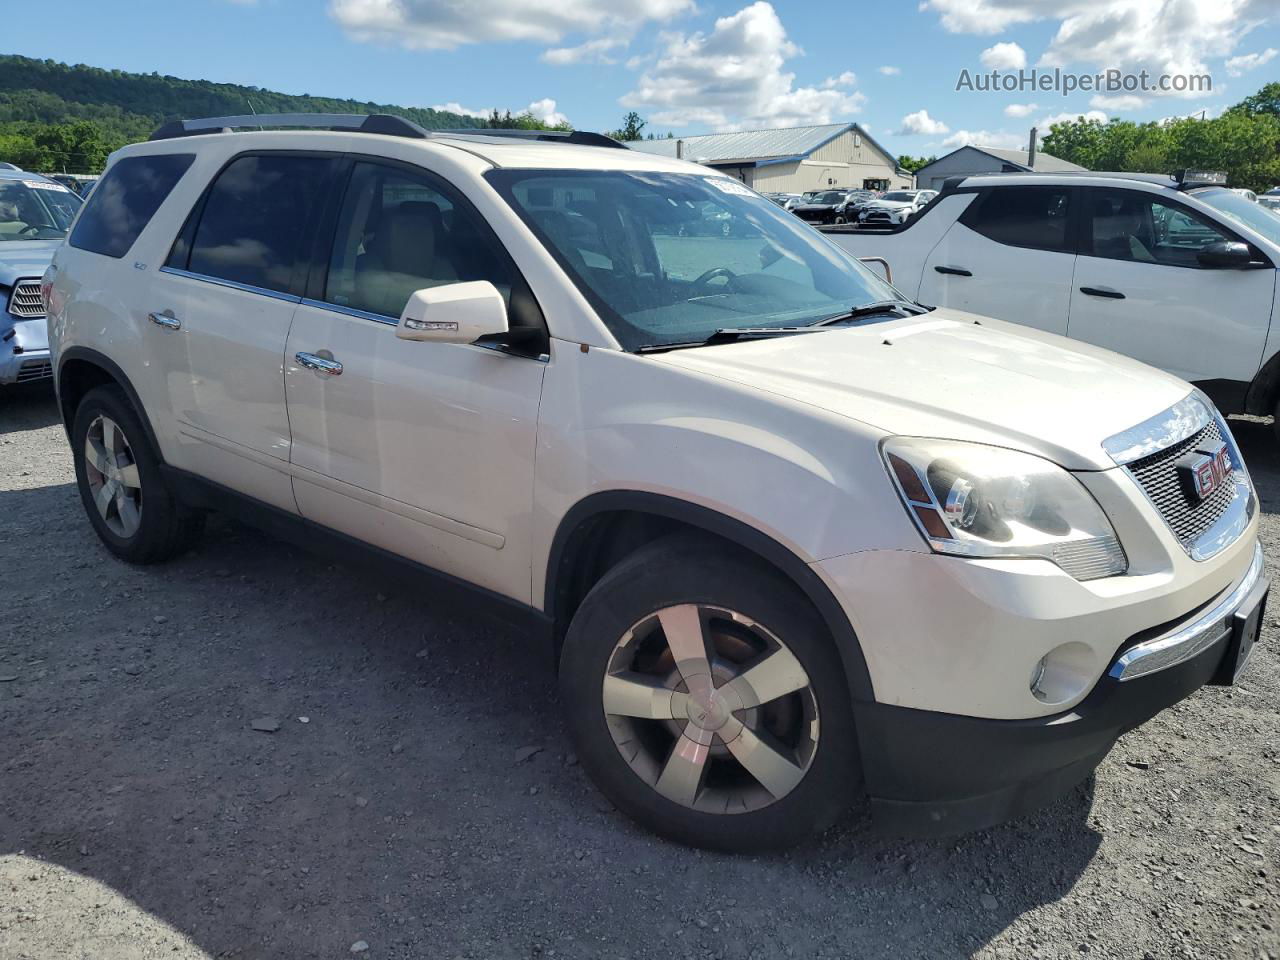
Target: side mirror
1225	255
454	313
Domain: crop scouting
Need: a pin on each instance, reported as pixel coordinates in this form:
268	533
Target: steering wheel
714	272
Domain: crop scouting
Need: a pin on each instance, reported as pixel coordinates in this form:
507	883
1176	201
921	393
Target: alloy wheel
711	709
112	474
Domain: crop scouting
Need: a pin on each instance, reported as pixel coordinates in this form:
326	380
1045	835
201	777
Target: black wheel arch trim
111	368
574	522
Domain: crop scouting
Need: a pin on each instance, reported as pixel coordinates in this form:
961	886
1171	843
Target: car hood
954	375
816	206
887	204
24	258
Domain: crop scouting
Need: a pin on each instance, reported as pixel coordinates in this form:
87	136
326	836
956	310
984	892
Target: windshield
673	258
35	210
899	196
1242	210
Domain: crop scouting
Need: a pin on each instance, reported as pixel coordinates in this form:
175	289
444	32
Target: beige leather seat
409	251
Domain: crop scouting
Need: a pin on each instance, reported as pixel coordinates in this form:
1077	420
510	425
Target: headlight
973	500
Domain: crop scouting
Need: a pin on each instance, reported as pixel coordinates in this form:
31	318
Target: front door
220	311
1140	290
424	449
1009	256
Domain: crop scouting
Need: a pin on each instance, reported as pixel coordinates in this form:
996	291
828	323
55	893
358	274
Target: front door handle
165	319
954	271
1106	292
325	365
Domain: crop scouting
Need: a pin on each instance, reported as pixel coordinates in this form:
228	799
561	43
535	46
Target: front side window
1034	217
674	258
400	232
255	222
125	200
1259	216
1128	225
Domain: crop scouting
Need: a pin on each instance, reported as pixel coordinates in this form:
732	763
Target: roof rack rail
383	123
581	138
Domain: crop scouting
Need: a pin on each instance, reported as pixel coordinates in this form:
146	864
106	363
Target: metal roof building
971	161
791	159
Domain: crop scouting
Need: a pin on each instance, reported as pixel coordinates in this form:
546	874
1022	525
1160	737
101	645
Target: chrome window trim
233	284
350	311
1192	638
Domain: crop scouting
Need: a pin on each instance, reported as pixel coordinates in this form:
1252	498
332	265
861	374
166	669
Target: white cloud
1122	103
735	78
986	138
1004	56
592	51
921	122
890	71
1021	109
444	25
1237	66
1047	122
1160	36
846	79
544	109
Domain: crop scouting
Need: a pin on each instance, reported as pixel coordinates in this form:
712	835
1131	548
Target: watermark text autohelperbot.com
1113	82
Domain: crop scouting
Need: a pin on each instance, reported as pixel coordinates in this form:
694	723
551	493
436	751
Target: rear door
220	311
1010	255
1140	290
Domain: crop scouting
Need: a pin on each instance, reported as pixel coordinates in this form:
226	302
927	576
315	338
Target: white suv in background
795	539
1176	272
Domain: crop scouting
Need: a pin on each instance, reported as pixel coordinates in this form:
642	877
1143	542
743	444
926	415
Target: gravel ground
393	813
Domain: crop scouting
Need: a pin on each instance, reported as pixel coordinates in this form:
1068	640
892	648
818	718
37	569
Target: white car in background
1178	273
793	538
895	207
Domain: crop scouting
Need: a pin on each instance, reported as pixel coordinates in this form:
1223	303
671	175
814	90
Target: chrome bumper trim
1190	639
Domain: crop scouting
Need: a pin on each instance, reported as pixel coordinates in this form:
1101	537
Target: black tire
690	570
165	527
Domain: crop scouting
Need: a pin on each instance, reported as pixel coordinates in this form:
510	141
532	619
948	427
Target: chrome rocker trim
1190	639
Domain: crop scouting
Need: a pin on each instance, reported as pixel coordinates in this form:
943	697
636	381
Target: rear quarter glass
125	200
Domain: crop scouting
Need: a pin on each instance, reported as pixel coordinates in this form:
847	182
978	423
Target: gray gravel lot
141	815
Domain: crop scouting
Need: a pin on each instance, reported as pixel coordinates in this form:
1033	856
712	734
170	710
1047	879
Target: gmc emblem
1204	469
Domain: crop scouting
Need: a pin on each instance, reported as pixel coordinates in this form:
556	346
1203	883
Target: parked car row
794	536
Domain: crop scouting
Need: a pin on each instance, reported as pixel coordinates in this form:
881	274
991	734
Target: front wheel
706	700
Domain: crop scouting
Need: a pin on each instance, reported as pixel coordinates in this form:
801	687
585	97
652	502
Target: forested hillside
55	116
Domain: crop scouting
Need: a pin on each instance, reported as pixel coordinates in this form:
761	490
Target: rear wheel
706	700
118	475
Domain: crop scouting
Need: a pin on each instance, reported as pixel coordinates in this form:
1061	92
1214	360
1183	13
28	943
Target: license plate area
1246	627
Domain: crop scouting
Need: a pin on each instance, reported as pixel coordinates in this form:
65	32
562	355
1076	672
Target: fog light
1063	673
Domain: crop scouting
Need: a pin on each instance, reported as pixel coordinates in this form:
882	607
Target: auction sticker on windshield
45	185
726	185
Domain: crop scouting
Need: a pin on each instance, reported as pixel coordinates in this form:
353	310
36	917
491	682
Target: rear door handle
954	271
165	319
325	365
1103	292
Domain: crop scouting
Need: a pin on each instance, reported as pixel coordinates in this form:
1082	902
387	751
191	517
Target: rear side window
1033	217
125	200
255	223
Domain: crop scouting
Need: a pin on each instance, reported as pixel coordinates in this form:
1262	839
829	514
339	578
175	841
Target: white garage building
791	159
971	161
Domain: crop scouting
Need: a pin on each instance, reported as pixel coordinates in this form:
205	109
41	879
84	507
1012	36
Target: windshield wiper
730	335
873	309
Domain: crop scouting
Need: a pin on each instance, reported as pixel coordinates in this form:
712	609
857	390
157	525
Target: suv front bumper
931	773
24	350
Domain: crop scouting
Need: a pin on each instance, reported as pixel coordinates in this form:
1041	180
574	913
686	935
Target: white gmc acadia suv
796	539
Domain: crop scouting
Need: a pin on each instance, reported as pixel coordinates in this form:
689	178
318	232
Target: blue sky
691	66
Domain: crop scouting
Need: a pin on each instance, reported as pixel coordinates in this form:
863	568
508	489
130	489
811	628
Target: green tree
912	164
632	128
1266	100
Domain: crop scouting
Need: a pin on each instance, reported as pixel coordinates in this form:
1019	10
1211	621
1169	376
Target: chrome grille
1158	476
25	300
35	370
